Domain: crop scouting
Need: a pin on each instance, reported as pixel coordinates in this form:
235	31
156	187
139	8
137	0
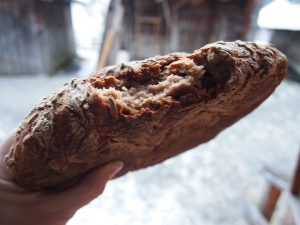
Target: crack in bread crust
142	112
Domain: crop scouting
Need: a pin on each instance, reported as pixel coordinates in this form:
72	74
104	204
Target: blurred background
45	43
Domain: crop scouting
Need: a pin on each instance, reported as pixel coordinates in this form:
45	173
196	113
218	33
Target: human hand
20	206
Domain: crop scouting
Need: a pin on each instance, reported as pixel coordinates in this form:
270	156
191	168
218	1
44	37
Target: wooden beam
106	48
112	30
269	201
247	18
295	186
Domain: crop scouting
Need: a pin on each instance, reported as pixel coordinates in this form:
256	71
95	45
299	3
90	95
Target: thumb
4	149
90	187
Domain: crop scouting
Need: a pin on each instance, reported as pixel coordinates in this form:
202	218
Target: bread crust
75	129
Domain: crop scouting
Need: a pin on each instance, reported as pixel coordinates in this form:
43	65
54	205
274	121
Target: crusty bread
142	112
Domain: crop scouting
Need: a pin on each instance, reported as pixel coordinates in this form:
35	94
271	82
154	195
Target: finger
90	187
7	143
4	149
6	183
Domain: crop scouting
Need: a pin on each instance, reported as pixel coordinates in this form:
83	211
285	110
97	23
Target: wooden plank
277	182
269	201
55	38
3	46
247	18
106	48
113	26
34	40
295	186
192	24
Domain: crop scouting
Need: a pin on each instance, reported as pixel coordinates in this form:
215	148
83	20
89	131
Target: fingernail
115	167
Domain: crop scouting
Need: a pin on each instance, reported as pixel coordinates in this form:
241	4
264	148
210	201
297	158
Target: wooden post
295	186
269	202
247	19
33	40
108	41
113	29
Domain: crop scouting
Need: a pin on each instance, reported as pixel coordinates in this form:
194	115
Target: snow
280	15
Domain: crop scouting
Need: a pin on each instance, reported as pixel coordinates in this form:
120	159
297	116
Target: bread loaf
142	112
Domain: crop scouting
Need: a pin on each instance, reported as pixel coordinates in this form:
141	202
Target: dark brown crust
73	130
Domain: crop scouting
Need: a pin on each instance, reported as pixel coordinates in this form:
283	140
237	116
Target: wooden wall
35	36
192	24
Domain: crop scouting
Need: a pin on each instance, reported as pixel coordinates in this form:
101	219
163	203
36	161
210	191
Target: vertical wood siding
35	36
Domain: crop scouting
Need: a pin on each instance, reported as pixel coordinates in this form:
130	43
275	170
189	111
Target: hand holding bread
142	112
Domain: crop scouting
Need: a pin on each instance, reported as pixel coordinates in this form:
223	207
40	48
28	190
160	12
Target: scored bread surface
142	112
